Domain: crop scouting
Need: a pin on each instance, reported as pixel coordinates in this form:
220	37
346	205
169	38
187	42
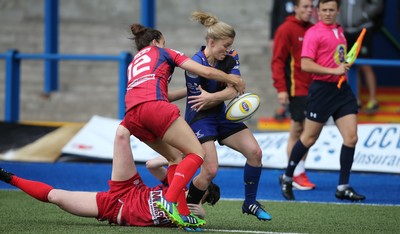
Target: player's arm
281	52
156	166
310	66
177	94
206	100
215	74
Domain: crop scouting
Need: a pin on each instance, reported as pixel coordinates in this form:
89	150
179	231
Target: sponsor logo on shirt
140	80
340	54
158	216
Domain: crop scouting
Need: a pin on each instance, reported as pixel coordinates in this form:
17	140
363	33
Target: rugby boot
349	194
5	176
257	210
286	188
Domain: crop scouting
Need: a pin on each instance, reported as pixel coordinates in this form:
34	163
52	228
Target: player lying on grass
128	202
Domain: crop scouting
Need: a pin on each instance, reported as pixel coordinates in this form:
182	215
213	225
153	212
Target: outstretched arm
156	166
176	95
215	74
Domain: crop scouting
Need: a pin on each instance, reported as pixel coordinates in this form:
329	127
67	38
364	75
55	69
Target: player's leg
208	171
123	165
297	107
245	143
300	178
178	136
370	80
77	203
311	132
347	126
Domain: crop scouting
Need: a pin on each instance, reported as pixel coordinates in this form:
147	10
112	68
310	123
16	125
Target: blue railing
12	75
352	75
13	72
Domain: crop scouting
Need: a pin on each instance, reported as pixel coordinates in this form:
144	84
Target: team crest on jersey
340	54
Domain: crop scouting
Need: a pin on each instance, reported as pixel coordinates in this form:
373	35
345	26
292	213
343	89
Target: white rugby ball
242	107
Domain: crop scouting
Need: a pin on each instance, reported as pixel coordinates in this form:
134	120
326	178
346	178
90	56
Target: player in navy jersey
205	113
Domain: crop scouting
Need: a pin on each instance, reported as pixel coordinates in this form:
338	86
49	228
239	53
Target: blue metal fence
352	74
13	70
12	75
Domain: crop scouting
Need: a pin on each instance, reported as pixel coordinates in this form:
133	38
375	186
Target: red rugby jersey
286	59
140	208
149	74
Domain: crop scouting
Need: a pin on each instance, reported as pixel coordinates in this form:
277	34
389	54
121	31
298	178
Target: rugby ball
242	107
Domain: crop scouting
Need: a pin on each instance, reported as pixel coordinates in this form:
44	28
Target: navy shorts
325	99
297	108
215	127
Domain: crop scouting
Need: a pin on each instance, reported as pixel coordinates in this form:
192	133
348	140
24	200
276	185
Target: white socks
300	168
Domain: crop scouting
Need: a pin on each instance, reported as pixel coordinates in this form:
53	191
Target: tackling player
128	202
155	121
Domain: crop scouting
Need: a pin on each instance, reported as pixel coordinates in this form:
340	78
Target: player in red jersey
128	202
155	121
290	81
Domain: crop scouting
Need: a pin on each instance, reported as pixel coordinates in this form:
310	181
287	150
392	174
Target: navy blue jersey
229	65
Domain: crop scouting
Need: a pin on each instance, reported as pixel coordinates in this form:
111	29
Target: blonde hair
215	29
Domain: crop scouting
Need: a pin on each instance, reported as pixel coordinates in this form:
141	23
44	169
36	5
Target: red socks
182	205
184	172
171	172
35	189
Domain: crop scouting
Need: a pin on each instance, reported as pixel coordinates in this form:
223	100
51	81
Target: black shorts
297	108
366	46
325	99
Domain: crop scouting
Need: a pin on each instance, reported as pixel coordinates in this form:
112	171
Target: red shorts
150	120
110	202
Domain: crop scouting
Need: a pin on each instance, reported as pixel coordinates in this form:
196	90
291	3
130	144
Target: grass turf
20	213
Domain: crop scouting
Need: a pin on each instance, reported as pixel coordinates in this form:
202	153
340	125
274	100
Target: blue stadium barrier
12	76
352	74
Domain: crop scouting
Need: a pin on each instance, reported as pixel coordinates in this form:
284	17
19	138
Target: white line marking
317	202
246	231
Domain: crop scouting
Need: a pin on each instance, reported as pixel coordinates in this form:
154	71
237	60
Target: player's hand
197	210
240	86
201	100
283	98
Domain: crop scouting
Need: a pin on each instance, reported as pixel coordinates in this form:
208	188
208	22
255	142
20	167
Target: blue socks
251	178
